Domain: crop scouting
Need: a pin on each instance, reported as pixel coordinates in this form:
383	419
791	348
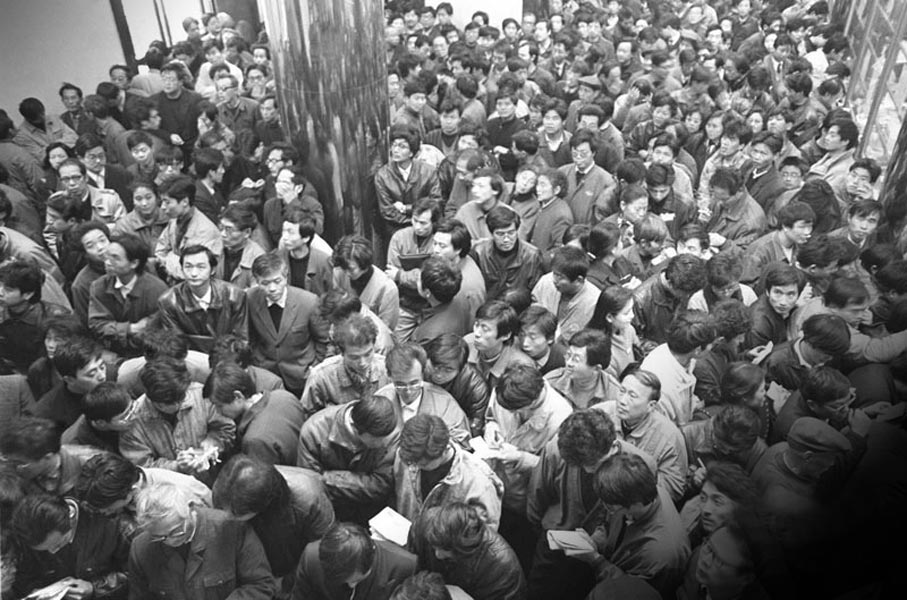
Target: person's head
782	287
726	564
863	217
178	197
94	238
735	429
634	203
639	393
447	355
454	531
586	438
374	420
141	147
650	234
569	267
763	149
424	585
725	185
735	136
439	280
198	264
588	353
346	553
813	447
862	175
107	484
230	388
723	272
796	219
247	487
55	154
71	95
59	329
538	327
848	298
405	365
237	223
166	380
164	342
551	184
690	333
166	513
404	143
355	337
824	336
842	134
685	273
519	390
828	394
20	284
726	492
496	325
743	383
792	171
353	254
81	365
425	442
693	239
230	348
732	321
73	175
209	164
32	446
108	407
487	187
451	240
298	229
45	522
624	482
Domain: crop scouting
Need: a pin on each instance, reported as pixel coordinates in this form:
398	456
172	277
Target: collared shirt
204	301
124	288
98	178
412	409
281	302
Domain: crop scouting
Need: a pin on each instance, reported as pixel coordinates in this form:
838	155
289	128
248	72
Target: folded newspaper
391	526
573	543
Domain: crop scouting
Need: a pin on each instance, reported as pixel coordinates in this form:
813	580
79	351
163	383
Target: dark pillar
329	64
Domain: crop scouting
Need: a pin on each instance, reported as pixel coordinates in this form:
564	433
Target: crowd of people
632	322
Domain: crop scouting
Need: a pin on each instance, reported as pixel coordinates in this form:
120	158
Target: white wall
46	42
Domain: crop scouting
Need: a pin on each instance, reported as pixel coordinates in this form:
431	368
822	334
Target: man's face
422	224
859	183
400	151
533	342
226	150
832	140
566	286
624	52
226	91
73	181
442	246
440	47
634	400
505	239
95	159
576	364
659	192
11	297
528	25
171	530
427	20
720	562
582	156
660	115
54	222
855	313
835	410
290	238
861	227
691	246
542	33
585	94
553	123
268	109
144	201
486	336
214	56
197	270
791	177
232	235
408	384
275	162
714	39
120	78
260	56
559	53
662	155
450	121
720	195
761	155
525	182
634	210
729	146
170	82
273	284
481	190
505	107
589	122
95	243
88	377
174	208
359	358
416	102
233	410
716	509
71	100
116	262
142	154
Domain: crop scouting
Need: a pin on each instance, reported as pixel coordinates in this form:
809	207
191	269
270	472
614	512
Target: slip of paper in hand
573	543
481	448
391	526
54	591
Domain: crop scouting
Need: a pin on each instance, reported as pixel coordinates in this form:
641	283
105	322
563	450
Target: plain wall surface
46	42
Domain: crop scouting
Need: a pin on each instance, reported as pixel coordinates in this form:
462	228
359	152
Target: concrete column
329	65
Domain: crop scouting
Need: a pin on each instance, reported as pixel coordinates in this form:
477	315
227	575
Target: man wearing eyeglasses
196	553
96	204
412	395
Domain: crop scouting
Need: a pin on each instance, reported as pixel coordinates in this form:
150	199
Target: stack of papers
481	448
391	526
573	543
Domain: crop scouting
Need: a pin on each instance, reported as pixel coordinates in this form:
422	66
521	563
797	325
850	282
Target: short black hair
519	386
374	415
165	380
625	480
585	437
424	437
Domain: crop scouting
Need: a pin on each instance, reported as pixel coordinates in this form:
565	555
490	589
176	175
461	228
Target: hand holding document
573	543
391	526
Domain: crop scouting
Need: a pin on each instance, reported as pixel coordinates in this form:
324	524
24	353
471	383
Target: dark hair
845	290
374	415
356	330
105	401
892	277
180	188
70	86
501	217
723	269
13	488
585	437
69	152
690	330
164	342
647	378
31	438
75	355
39	515
540	317
345	549
731	318
402	357
625	480
736	427
519	386
138	137
226	378
198	249
134	248
459	235
597	345
778	275
448	349
823	385
868	164
25	276
507	324
686	273
731	480
441	279
79	231
827	333
240	215
611	301
571	262
726	179
454	526
247	485
424	437
865	208
353	249
206	160
165	379
424	585
106	478
796	211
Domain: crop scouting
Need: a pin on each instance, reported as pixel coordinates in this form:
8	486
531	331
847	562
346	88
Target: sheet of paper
391	525
571	542
778	395
481	448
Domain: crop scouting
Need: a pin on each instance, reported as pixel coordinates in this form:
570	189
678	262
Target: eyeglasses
412	385
176	533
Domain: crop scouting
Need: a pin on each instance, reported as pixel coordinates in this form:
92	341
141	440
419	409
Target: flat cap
814	435
590	81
